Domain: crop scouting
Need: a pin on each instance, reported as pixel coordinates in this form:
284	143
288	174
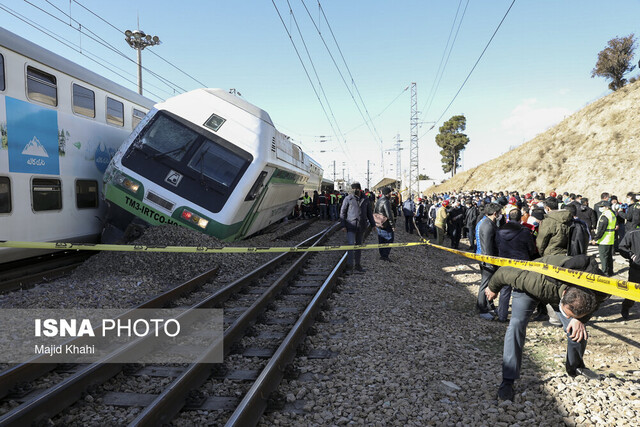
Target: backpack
578	238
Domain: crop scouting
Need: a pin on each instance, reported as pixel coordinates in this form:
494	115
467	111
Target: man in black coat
456	222
588	215
470	220
514	241
629	248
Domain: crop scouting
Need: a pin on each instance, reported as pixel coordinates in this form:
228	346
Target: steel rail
40	365
173	398
70	390
250	409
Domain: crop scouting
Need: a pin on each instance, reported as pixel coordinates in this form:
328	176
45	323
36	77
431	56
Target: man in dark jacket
355	213
572	304
470	219
386	232
486	241
579	235
553	234
588	215
455	223
630	249
632	215
514	241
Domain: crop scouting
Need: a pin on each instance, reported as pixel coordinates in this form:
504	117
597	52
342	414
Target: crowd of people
552	229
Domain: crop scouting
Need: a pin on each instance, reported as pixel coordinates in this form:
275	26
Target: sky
535	71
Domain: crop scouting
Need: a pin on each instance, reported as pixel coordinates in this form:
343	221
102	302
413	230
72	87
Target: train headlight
194	219
125	182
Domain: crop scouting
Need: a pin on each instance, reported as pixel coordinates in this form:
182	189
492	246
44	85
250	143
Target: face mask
563	313
499	217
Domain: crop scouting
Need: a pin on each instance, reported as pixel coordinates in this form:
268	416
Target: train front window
217	163
168	137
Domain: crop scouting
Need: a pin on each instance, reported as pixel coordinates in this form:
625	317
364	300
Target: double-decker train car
59	124
210	161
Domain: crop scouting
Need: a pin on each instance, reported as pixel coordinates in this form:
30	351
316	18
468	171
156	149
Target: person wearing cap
588	215
441	221
387	230
605	237
355	213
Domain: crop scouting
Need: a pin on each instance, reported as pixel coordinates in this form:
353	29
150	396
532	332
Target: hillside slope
594	150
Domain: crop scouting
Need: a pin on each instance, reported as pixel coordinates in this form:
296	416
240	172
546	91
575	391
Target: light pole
139	40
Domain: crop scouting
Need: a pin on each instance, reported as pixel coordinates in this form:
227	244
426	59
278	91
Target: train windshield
168	138
217	163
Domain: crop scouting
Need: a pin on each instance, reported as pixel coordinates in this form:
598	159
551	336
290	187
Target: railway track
301	285
26	273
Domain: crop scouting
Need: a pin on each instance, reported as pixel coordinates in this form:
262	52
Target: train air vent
273	144
159	201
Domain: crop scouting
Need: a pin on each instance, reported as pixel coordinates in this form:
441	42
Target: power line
444	67
152	52
348	70
65	42
473	68
93	36
381	112
305	70
315	71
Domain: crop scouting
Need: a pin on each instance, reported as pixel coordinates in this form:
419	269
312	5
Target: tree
452	141
614	61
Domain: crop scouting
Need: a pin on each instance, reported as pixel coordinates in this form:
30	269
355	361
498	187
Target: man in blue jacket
356	215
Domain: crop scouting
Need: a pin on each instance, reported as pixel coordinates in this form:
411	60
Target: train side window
5	194
46	194
137	117
115	112
86	194
2	87
42	87
84	101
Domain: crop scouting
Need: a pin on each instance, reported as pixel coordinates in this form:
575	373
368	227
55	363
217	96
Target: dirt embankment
592	151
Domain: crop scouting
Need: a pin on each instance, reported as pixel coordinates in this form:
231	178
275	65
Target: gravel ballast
410	350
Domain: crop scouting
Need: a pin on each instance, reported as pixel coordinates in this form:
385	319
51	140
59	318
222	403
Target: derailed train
206	160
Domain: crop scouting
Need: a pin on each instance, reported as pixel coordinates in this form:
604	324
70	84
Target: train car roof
24	47
242	104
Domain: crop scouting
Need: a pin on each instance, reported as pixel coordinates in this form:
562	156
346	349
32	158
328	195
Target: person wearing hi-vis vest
605	237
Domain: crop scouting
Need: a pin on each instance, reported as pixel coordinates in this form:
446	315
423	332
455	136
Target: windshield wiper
202	180
183	147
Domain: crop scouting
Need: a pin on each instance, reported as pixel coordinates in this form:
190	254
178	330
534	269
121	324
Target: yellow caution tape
604	284
195	249
608	285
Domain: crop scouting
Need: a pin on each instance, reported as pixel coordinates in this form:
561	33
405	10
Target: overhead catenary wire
381	112
152	52
65	42
441	67
93	36
367	121
473	68
321	9
305	70
315	71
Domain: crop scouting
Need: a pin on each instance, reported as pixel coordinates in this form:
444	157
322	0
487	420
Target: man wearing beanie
356	215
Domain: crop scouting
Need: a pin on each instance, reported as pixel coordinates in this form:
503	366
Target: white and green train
210	161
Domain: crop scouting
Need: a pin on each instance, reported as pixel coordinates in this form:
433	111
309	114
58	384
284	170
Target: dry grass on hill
594	150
